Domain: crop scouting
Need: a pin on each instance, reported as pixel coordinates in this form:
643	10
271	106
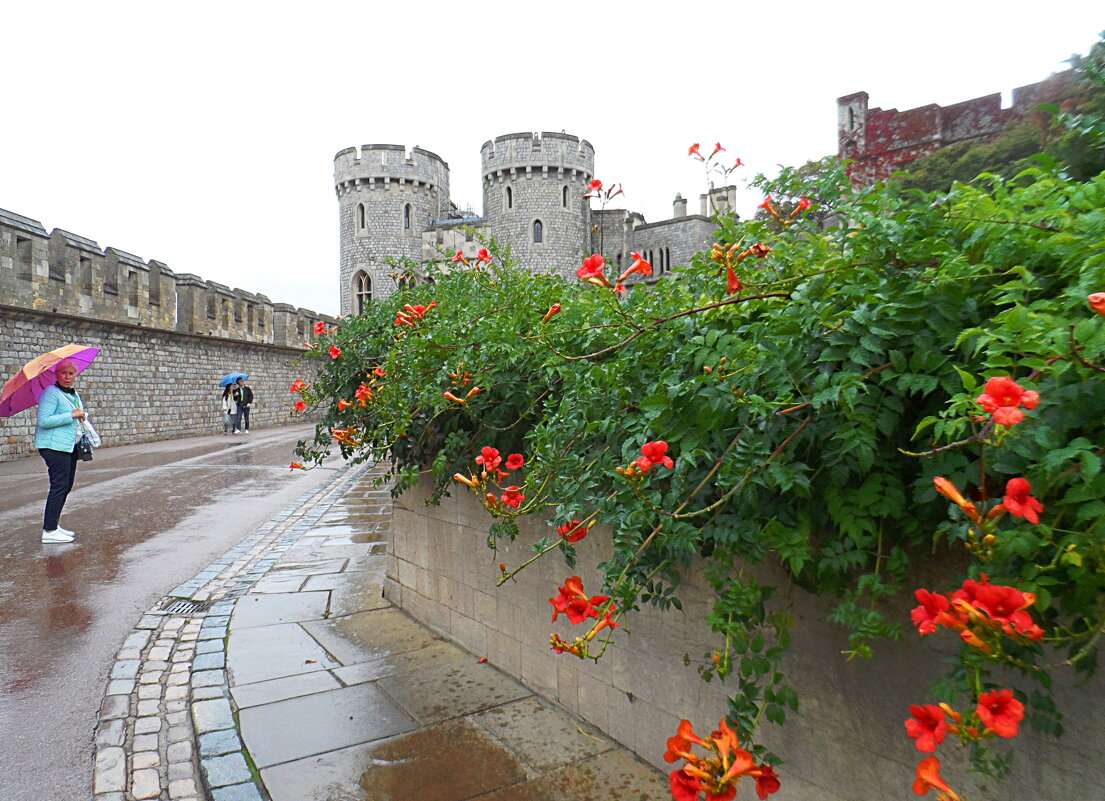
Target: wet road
147	517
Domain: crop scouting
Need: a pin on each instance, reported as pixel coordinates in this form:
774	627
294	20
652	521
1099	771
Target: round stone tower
386	200
533	188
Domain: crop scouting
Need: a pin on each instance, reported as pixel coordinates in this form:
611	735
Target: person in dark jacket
60	413
243	396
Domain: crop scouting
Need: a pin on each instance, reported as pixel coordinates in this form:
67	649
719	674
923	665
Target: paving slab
453	688
264	610
270	652
617	776
448	762
363	636
543	735
265	692
379	668
313	724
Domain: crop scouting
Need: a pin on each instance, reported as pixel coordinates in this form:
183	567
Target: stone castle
395	203
880	142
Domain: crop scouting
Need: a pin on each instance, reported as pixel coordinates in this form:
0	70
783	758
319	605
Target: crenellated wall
882	141
65	273
165	338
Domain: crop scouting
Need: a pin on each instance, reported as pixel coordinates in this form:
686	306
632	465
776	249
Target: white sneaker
236	431
247	430
57	535
66	531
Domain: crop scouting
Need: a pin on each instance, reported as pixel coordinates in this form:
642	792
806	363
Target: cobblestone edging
167	729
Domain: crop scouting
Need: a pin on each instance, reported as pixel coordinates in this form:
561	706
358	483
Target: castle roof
22	223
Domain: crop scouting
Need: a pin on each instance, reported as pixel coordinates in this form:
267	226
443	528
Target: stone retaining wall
846	742
147	384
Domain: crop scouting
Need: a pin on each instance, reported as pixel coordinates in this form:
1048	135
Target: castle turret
533	188
386	199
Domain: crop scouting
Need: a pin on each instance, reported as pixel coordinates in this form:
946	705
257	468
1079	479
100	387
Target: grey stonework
527	178
147	384
165	339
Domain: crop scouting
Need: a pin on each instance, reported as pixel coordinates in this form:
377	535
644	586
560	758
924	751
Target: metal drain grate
185	607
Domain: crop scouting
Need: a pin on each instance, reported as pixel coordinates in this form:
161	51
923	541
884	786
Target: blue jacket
57	428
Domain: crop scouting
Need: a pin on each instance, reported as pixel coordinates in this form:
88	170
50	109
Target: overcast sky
203	134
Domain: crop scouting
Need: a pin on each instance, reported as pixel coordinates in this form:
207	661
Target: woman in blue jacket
59	409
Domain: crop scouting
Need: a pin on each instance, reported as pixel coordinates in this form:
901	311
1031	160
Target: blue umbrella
230	378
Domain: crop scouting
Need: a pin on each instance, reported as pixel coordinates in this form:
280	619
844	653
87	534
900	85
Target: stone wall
165	339
146	384
847	740
882	141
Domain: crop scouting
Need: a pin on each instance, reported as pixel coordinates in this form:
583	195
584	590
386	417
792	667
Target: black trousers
62	467
242	420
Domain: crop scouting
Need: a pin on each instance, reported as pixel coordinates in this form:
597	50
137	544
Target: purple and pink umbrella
23	390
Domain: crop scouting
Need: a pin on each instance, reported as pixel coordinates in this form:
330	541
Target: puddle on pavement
329	531
444	763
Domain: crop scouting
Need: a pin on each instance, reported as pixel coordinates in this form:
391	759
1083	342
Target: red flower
552	312
320	327
767	206
738	163
298	385
489	457
1019	503
654	453
925	617
515	461
592	268
1000	711
693	151
300	406
683	786
573	531
766	782
573	602
1097	302
732	281
380	371
717	149
460	257
512	497
297	466
454	398
335	352
343	404
802	204
948	490
639	264
1002	398
928	777
928	726
596	185
483	256
363	393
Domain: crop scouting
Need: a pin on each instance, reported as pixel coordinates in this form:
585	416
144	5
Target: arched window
362	291
618	260
407	217
360	216
565	197
509	198
667	259
538	232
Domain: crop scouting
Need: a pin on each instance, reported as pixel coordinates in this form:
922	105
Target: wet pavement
147	517
272	666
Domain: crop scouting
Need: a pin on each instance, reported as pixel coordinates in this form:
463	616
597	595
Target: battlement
66	273
882	141
546	151
385	166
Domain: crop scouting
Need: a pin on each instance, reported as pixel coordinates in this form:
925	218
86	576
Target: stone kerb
847	732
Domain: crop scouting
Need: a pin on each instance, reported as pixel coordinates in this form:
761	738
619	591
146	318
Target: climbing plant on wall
912	376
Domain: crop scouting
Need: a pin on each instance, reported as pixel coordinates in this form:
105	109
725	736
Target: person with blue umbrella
231	393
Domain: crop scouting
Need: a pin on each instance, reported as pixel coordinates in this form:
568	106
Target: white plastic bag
91	433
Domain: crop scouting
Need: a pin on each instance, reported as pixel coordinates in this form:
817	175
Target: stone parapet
67	273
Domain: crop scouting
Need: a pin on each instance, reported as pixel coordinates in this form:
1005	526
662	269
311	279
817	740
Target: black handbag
84	449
